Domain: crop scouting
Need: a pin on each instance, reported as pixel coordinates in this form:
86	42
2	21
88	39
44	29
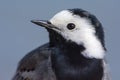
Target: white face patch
83	33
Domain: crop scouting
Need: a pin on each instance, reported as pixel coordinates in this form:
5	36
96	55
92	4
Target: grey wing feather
106	71
36	65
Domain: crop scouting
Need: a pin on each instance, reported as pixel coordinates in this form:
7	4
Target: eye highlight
71	26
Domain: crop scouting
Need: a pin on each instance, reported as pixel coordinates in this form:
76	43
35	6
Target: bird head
80	27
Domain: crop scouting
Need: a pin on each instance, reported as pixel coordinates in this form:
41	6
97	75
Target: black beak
44	23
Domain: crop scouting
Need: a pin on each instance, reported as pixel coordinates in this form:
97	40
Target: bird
75	51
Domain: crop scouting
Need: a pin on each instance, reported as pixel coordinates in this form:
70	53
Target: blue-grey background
18	35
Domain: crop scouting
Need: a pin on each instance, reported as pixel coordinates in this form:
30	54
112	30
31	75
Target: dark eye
71	26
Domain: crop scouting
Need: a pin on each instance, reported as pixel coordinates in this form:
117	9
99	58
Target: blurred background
18	35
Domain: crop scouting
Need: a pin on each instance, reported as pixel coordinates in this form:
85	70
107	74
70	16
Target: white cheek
86	37
94	48
73	36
